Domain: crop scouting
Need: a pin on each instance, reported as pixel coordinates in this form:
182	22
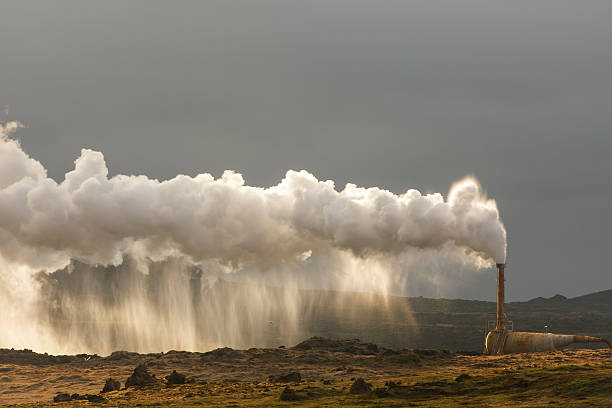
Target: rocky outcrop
352	346
292	377
111	385
140	377
175	378
360	386
288	395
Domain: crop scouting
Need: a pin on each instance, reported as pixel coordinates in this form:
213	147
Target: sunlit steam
151	252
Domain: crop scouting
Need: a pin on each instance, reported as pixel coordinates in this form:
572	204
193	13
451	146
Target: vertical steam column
501	283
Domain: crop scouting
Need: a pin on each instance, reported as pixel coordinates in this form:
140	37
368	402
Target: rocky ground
316	372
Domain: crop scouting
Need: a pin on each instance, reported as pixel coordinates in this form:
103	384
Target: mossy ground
562	385
327	369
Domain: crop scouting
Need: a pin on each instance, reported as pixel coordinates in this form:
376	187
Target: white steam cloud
181	234
88	215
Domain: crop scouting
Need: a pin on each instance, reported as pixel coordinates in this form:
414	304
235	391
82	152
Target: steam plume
88	215
190	226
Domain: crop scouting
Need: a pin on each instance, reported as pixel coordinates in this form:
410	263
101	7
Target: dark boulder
176	378
111	385
360	387
381	392
288	395
463	377
95	398
140	377
62	397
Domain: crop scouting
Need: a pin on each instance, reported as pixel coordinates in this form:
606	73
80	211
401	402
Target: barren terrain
327	371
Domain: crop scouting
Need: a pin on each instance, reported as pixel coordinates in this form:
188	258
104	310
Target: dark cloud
392	94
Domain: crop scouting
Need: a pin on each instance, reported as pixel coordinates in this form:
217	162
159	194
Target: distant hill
595	300
598	298
453	324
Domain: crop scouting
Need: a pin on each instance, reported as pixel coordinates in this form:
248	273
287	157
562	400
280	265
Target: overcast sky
406	94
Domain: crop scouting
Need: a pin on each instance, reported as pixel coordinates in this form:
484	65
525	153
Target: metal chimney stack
504	340
500	325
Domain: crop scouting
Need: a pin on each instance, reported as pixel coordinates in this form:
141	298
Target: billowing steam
210	224
89	215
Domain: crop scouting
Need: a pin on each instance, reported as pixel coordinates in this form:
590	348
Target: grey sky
394	94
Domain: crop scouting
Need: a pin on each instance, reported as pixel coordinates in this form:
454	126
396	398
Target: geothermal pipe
523	342
503	341
500	325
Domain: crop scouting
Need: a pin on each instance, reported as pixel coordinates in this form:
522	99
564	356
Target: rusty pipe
523	342
591	339
500	324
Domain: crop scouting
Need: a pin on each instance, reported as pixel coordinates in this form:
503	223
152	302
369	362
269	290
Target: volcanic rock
27	356
360	387
286	378
111	385
175	378
62	397
381	392
352	346
95	398
463	377
222	353
288	395
120	355
140	377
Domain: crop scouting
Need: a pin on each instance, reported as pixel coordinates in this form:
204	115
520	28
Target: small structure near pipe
504	340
